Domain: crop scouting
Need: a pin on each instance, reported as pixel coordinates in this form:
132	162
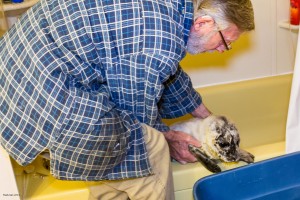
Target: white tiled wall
266	51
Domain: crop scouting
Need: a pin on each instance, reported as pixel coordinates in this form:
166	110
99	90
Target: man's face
209	39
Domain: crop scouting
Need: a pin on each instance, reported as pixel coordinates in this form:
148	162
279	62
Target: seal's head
222	140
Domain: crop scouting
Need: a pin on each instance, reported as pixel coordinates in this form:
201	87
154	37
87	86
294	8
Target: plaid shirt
79	77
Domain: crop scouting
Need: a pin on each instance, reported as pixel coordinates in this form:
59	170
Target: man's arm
201	111
180	98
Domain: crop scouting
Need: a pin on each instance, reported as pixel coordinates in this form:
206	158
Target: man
91	80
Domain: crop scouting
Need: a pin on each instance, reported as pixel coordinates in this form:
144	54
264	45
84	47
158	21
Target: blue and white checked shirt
78	77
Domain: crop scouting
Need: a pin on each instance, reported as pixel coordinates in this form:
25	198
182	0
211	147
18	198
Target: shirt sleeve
179	96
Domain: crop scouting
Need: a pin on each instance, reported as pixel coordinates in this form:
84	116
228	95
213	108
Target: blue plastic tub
17	1
274	179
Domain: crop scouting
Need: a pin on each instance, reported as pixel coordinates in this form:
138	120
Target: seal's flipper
208	163
246	156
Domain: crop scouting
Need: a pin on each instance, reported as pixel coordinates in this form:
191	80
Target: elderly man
91	80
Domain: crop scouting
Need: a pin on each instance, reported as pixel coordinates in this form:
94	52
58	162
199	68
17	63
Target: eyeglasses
227	46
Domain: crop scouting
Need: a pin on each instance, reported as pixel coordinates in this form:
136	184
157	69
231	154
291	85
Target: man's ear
203	22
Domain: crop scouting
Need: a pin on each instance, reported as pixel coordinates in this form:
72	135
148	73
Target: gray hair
225	12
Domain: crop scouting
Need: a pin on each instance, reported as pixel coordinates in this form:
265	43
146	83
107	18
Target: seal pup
219	142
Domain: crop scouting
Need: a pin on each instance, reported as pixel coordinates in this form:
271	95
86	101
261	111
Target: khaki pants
156	187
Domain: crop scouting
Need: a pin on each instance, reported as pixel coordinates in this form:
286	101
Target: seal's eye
218	129
224	144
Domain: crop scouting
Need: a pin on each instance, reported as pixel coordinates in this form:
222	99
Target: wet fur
218	136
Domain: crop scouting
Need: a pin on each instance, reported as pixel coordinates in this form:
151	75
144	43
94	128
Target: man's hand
178	143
